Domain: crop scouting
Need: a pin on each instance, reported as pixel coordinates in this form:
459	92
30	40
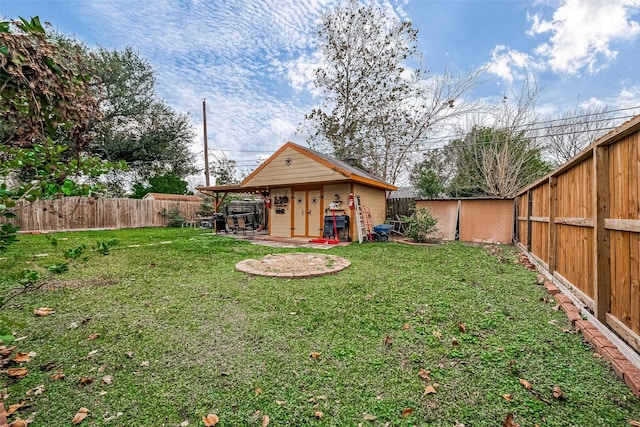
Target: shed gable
290	167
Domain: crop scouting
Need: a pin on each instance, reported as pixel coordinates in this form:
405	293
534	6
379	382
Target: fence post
553	203
529	213
601	265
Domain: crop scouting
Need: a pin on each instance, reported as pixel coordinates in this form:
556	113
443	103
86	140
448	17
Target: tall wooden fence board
401	206
82	213
583	223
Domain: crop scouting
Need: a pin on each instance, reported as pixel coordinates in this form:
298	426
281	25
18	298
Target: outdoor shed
483	220
308	192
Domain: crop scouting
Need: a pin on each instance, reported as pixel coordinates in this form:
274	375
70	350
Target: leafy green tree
376	108
48	107
224	171
138	127
168	183
429	176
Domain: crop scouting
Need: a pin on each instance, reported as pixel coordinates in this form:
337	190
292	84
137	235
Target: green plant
174	216
206	209
421	226
104	248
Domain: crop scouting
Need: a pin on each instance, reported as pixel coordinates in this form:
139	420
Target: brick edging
624	369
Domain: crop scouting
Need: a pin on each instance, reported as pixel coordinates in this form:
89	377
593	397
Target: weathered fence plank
84	213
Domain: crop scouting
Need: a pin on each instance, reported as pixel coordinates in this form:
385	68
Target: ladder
362	232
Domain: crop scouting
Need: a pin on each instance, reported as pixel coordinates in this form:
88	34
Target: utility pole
206	145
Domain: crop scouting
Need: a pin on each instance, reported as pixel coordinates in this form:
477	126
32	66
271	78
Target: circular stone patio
299	264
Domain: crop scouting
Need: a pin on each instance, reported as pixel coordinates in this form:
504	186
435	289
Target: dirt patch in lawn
299	264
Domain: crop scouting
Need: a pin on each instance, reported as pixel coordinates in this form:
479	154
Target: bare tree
574	130
498	155
375	108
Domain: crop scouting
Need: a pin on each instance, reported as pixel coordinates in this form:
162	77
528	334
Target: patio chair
242	225
231	225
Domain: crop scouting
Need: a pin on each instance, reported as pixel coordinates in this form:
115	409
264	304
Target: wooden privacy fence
85	213
397	207
582	223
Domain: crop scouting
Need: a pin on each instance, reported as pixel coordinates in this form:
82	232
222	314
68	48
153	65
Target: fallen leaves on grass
93	336
388	341
265	420
19	423
370	417
437	335
43	311
431	389
406	326
21	357
508	422
59	375
281	402
36	391
406	412
455	342
210	420
315	355
6	351
558	393
318	414
258	390
424	374
80	416
89	355
83	381
17	373
13	408
634	423
107	380
526	384
462	327
508	397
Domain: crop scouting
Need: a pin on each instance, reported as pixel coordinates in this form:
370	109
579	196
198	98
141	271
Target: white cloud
510	64
301	72
582	33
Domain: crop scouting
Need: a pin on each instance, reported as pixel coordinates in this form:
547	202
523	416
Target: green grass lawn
182	335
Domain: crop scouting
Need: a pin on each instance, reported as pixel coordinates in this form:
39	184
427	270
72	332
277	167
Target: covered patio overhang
219	192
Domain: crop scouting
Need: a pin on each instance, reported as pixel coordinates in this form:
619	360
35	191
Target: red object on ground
327	241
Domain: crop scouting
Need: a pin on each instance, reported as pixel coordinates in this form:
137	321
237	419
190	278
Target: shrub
174	216
421	226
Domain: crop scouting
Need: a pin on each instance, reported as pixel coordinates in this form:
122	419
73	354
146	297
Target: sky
253	60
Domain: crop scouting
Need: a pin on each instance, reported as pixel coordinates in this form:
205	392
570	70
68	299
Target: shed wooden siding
280	224
487	221
342	190
302	169
591	210
446	211
83	213
375	201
